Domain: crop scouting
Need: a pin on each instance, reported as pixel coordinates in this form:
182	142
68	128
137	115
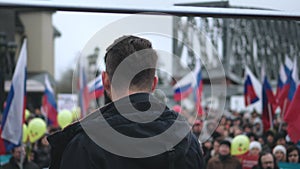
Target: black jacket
90	144
13	165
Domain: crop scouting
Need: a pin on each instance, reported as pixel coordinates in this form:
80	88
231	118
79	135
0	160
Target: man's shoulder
6	166
59	141
61	138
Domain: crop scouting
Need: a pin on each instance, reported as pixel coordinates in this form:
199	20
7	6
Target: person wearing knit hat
225	142
280	153
249	160
254	148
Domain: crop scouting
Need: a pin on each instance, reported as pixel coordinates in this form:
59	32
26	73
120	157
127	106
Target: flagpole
248	98
282	114
270	115
46	115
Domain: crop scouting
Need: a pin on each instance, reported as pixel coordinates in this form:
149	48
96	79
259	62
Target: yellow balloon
76	113
240	145
25	133
64	118
27	114
36	129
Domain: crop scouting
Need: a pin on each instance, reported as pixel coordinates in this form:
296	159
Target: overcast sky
77	27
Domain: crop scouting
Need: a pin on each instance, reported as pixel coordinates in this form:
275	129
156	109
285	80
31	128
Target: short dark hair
290	149
263	154
225	142
129	46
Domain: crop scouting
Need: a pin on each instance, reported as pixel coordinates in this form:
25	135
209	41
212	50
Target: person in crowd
223	121
237	131
197	128
236	128
38	113
255	148
250	159
266	160
257	124
224	160
215	151
270	140
42	152
228	123
284	127
19	160
262	142
107	140
247	128
238	122
293	155
252	136
280	153
207	147
280	138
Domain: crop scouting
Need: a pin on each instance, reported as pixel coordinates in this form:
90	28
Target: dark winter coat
13	165
76	146
228	163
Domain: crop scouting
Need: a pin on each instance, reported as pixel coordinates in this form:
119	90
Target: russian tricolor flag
13	116
294	81
288	65
282	78
96	89
292	117
251	88
249	93
198	87
268	102
289	88
49	106
184	87
84	100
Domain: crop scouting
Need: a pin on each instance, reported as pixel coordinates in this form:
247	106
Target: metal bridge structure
238	43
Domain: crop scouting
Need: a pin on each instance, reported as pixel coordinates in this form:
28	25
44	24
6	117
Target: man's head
18	153
216	145
270	137
224	148
279	152
293	154
267	161
280	139
254	148
127	56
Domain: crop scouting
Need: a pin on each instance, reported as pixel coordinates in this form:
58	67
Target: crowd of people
267	149
34	155
73	148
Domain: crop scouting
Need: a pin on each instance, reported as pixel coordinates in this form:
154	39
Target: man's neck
116	96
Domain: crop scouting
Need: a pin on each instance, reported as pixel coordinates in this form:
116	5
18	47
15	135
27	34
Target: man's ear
154	83
106	83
